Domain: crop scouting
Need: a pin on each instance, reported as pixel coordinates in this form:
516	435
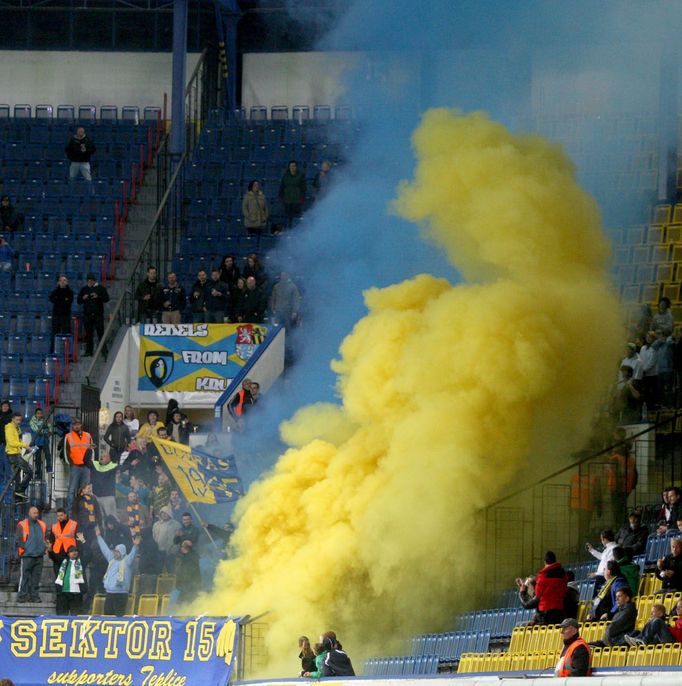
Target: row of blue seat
450	645
82	114
280	113
659	546
48	135
401	666
16	150
29	366
281	154
339	132
61	244
499	622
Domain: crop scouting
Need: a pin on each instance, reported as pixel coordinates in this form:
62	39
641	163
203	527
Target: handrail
195	73
119	305
577	463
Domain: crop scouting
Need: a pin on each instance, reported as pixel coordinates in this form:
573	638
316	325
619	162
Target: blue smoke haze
560	68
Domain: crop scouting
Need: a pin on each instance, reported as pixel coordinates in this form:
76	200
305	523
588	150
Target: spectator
253	303
321	180
118	576
241	398
173	300
137	485
199	297
572	598
40	431
160	493
292	190
670	567
604	603
10	218
218	299
633	536
254	268
117	437
31	546
628	569
306	655
335	662
676	630
164	532
116	533
623	621
79	150
14	448
647	372
187	532
148	295
176	503
62	537
575	658
320	654
236	297
254	391
61	299
150	427
550	591
6	255
285	301
151	564
87	512
187	573
140	462
662	322
5	418
655	631
608	542
137	515
77	443
255	209
627	405
672	511
93	296
131	421
70	584
631	359
229	272
103	474
178	428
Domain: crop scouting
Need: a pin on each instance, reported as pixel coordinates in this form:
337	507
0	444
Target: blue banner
125	651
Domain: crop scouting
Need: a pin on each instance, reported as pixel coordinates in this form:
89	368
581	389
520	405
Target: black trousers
29	581
115	604
92	323
20	465
69	604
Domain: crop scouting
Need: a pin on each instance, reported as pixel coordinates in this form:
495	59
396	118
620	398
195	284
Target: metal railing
566	508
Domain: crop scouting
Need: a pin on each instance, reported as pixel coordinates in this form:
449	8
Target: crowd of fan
650	371
230	294
122	517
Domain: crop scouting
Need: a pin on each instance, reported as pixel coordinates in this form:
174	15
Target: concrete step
11	608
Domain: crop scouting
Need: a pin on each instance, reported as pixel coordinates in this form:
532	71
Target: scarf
89	505
70	576
120	574
603	592
134	521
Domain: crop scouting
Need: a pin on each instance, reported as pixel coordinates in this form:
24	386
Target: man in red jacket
550	592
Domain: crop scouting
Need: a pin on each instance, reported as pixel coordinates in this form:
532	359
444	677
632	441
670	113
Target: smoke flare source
366	524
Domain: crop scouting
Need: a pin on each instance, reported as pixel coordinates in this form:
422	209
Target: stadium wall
86	78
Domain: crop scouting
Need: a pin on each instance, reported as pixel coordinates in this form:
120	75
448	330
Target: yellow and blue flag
202	477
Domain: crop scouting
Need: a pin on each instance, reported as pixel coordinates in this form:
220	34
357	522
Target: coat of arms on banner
249	337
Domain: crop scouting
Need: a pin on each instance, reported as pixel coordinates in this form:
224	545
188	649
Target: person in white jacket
608	541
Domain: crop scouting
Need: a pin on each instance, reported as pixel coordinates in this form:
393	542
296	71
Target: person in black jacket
10	218
229	272
199	297
336	662
253	303
93	296
173	300
79	150
670	567
178	428
61	299
218	299
633	536
117	437
148	295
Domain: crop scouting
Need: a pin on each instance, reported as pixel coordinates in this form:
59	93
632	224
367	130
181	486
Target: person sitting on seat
655	631
623	621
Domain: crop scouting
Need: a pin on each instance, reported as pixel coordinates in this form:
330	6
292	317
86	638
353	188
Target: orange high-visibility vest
65	538
564	665
25	531
239	407
78	446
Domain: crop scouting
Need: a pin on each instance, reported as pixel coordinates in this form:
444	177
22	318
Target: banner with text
201	476
144	651
195	357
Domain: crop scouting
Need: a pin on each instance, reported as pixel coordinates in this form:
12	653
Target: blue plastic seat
25	324
39	345
18	386
32	366
10	365
43	389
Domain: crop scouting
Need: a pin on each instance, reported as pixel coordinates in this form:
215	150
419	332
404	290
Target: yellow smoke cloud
448	392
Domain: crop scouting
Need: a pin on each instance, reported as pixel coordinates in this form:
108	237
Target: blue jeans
80	169
79	476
